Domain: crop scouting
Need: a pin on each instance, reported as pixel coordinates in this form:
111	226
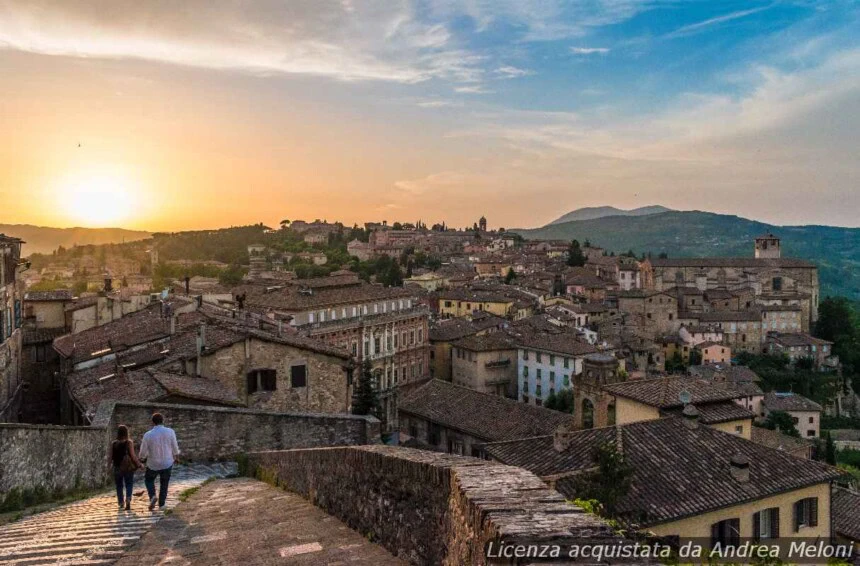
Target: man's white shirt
159	448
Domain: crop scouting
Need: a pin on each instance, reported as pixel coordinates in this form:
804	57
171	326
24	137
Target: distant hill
695	233
592	212
42	239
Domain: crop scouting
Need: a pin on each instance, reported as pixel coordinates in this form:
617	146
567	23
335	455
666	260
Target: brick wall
427	507
55	458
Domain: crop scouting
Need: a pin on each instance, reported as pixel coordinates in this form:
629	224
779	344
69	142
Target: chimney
202	335
740	468
108	284
690	415
187	285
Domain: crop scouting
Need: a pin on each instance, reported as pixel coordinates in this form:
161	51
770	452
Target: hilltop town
595	373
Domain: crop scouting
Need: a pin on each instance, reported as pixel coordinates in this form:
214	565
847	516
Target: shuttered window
766	524
806	513
726	533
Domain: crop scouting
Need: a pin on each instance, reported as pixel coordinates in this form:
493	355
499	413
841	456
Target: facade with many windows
547	363
10	328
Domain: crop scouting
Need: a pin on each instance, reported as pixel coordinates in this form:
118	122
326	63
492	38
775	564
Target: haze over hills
44	239
835	250
592	212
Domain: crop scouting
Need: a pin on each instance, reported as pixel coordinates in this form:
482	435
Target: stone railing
428	507
54	459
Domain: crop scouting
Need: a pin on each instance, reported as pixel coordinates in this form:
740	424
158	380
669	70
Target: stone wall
214	433
53	458
427	507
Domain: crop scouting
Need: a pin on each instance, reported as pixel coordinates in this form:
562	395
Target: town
596	373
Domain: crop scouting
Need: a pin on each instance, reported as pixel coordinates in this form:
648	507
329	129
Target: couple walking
158	448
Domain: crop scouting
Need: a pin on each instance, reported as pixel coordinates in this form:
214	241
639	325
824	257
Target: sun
98	198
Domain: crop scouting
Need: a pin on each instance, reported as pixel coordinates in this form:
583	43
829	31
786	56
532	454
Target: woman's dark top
119	449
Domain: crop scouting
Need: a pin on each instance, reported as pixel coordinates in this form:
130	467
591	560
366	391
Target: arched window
587	413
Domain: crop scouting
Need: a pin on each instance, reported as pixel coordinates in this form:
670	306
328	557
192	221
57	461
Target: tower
482	224
593	407
767	247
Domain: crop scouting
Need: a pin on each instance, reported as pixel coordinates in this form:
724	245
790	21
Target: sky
162	115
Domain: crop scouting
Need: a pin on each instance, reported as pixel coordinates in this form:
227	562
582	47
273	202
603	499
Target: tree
393	276
561	401
231	276
695	357
575	257
397	226
663	255
364	396
510	276
284	224
610	482
781	421
829	450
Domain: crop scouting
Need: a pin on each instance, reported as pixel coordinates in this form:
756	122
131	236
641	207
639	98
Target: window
552	378
566	363
448	304
806	513
420	335
395	340
298	375
525	355
811	420
376	347
566	380
739	429
41	353
726	533
526	372
551	359
538	357
777	283
411	337
262	380
810	432
413	430
539	372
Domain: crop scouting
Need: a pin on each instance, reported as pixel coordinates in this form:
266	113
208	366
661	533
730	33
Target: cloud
472	89
589	50
366	40
511	72
699	26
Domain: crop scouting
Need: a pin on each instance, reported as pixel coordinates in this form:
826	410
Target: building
715	353
805	413
386	326
547	364
460	420
660	309
846	516
741	330
768	277
650	399
444	332
690	481
460	302
10	328
591	407
486	363
362	250
429	281
798	346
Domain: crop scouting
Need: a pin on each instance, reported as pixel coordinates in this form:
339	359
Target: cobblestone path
93	531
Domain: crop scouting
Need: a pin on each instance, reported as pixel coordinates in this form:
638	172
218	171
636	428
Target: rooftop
789	402
665	392
731	262
691	466
55	295
566	343
487	417
846	513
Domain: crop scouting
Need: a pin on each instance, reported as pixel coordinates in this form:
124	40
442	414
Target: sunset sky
165	115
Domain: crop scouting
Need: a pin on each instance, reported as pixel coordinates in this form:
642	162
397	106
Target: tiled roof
846	513
474	295
484	416
486	342
730	262
752	315
663	392
777	440
199	388
796	339
55	295
566	343
292	298
453	328
691	466
789	402
720	412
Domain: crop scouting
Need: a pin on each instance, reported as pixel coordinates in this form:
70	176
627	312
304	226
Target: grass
183	496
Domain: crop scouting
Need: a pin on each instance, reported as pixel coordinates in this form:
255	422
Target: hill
695	233
42	239
592	212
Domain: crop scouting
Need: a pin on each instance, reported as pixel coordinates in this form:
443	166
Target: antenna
685	397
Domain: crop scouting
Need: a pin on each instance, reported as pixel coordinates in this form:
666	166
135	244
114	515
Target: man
158	448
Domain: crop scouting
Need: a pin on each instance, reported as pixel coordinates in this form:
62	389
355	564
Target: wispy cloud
699	26
589	50
511	72
472	89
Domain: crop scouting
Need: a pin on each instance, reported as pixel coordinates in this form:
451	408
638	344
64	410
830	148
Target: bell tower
767	247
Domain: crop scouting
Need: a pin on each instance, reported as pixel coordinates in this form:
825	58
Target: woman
124	462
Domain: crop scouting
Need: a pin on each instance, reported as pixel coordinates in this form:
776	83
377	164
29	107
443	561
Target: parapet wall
60	458
428	507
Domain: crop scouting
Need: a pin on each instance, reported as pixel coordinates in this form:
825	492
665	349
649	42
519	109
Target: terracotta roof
730	262
753	315
720	412
789	402
199	388
474	295
454	328
55	295
846	513
566	343
663	392
486	417
41	335
486	342
777	440
691	466
796	339
290	297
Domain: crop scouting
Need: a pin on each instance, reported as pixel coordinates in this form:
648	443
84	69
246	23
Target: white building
546	363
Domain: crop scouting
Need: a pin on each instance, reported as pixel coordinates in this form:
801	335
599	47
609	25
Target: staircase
94	531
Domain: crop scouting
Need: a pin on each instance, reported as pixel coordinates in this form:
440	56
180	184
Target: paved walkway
93	531
246	522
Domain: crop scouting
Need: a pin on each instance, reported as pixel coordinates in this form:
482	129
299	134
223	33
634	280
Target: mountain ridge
835	250
46	239
594	212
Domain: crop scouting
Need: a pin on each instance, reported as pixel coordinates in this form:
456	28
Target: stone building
486	363
444	332
768	277
805	413
10	328
386	326
660	309
592	407
799	346
460	420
